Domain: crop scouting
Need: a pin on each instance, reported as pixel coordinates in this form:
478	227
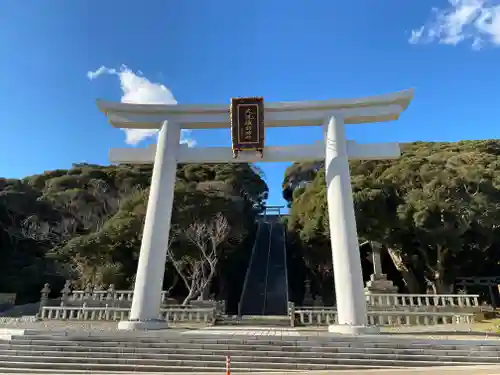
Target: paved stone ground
445	332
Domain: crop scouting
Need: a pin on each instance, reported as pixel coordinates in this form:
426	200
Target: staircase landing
257	320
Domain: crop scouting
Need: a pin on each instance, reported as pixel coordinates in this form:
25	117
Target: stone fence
460	301
399	309
383	309
418	302
305	316
7	299
100	297
182	314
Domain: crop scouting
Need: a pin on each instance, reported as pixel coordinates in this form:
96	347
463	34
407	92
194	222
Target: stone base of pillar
347	329
142	325
379	284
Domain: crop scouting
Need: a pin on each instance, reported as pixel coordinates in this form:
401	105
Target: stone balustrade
106	295
181	314
100	294
418	301
423	300
399	309
307	316
7	298
384	309
193	315
100	297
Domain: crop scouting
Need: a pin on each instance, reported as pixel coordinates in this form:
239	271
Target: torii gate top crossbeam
379	108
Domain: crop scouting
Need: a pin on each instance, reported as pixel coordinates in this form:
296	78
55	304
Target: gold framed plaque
247	124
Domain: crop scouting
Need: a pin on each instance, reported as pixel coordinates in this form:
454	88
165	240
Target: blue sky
208	51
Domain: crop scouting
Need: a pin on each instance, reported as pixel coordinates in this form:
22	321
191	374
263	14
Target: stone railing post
106	312
308	297
65	293
87	292
85	313
44	298
291	313
220	307
111	294
96	296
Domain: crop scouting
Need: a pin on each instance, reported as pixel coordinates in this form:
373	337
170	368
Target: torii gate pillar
347	272
146	303
336	151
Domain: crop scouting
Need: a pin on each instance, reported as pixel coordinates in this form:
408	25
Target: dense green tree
85	223
435	210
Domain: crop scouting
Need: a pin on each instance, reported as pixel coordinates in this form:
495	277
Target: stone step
171	346
244	343
261	350
256	348
239	356
46	368
265	352
333	347
99	363
197	370
455	370
231	335
204	352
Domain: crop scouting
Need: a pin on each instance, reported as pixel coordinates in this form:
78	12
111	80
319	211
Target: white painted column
151	267
349	288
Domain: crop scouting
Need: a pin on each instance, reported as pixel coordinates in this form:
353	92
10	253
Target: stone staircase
265	291
253	293
276	299
203	353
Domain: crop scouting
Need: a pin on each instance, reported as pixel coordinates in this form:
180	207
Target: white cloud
476	21
138	89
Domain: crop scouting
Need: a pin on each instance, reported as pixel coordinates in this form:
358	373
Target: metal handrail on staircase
250	264
286	264
267	267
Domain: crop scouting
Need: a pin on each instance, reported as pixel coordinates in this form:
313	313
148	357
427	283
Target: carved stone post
111	295
65	293
220	307
291	313
44	298
308	298
96	296
87	292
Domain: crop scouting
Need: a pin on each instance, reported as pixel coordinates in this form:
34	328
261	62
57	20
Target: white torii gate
336	151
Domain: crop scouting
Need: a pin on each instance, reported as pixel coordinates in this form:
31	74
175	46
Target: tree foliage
435	210
85	223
